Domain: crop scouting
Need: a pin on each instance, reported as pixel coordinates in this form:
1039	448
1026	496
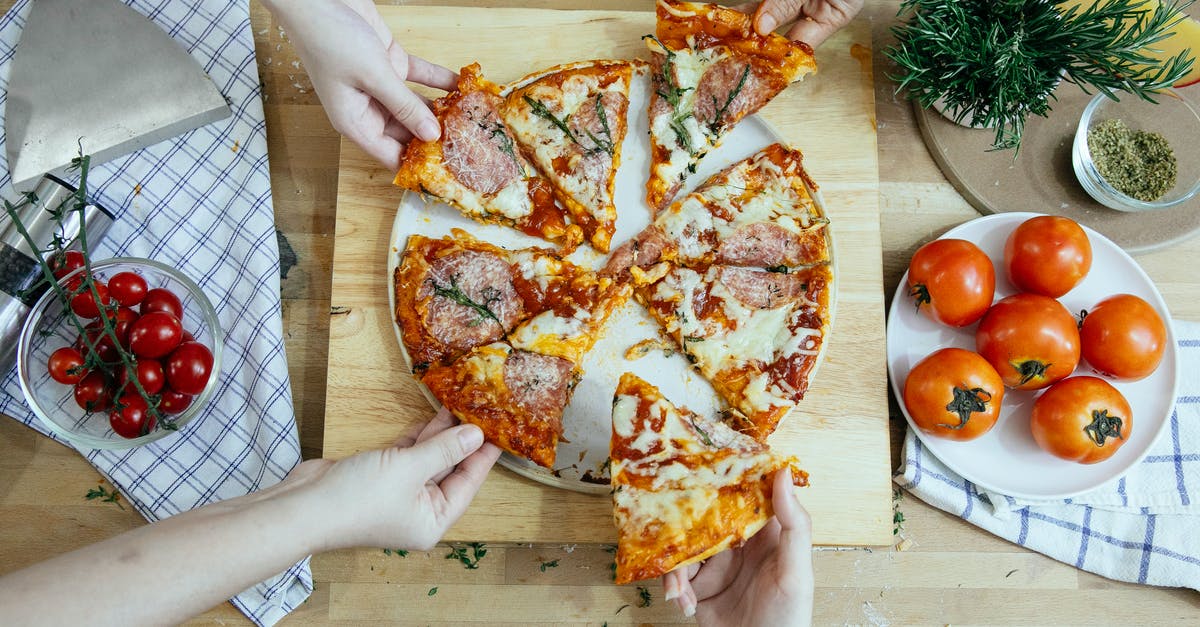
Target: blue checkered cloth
202	203
1141	528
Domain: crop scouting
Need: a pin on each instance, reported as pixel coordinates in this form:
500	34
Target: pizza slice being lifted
684	486
476	166
571	120
710	69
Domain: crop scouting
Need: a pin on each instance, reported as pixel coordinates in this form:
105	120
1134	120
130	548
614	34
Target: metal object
19	270
98	77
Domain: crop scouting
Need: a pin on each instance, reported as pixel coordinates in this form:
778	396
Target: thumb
772	13
445	450
795	535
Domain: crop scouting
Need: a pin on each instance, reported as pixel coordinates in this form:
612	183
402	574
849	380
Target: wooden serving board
840	432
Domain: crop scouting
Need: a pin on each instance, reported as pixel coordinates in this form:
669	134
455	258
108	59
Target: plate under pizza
587	420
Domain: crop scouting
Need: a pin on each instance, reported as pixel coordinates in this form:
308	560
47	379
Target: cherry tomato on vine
1047	255
106	351
92	394
189	367
66	365
954	393
65	263
172	402
951	281
123	319
85	305
155	334
131	417
162	299
1123	337
149	373
128	288
1031	340
1081	419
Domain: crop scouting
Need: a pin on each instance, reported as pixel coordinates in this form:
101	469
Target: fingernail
689	610
767	23
470	436
672	593
428	130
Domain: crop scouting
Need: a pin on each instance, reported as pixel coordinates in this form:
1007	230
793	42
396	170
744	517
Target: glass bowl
1175	117
47	329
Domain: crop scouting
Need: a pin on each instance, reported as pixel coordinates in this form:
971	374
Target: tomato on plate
162	299
1031	340
1123	337
951	281
1081	419
128	288
189	368
155	334
131	418
149	374
92	394
85	305
954	393
172	402
66	365
1047	255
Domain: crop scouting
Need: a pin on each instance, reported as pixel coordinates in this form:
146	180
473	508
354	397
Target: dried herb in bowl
1139	164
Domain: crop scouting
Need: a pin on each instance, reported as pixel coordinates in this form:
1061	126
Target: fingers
388	87
795	535
441	421
772	13
384	149
431	74
460	486
445	449
811	32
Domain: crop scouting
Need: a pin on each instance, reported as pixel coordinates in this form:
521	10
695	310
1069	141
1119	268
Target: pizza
709	70
571	120
476	166
684	487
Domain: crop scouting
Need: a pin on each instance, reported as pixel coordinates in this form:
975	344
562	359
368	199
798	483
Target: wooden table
947	571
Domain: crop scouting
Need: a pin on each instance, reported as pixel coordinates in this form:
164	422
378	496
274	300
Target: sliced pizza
571	120
755	334
684	486
515	396
476	166
710	69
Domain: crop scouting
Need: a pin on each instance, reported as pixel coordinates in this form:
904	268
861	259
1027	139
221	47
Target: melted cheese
551	334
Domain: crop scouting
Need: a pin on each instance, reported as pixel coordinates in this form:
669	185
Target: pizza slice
684	486
709	70
515	396
571	120
755	334
456	293
759	212
476	167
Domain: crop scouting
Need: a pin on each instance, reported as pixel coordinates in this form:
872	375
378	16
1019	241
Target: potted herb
993	63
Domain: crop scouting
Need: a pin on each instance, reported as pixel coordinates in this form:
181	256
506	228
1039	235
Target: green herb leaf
104	495
643	596
540	110
454	293
715	125
432	591
469	560
550	564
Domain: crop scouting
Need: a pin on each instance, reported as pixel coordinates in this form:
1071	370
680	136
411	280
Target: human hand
405	496
767	581
815	20
358	70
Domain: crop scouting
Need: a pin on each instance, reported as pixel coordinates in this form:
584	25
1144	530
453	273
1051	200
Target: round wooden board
1041	179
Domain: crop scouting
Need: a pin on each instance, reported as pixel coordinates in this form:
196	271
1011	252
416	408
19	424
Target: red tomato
106	351
1047	255
162	299
1031	340
84	304
189	367
123	320
173	402
1081	419
149	373
92	394
66	365
131	418
1123	337
128	288
155	334
952	281
64	263
954	393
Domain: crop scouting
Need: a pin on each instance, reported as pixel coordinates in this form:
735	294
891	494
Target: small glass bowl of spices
1135	155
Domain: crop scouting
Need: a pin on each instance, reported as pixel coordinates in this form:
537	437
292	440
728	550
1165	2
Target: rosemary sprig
993	64
674	93
469	561
715	125
454	293
540	110
500	135
102	493
606	144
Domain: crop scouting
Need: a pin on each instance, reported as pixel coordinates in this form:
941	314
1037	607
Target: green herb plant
992	64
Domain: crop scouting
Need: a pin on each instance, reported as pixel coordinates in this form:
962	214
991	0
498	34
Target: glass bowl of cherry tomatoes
122	360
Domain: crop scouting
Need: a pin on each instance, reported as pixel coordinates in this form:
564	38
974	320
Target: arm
181	566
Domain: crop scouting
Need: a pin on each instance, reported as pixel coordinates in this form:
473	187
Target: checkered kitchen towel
202	203
1141	528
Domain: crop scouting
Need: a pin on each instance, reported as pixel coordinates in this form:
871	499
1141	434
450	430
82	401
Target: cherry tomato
951	281
1123	337
92	394
149	373
84	303
131	418
173	402
1081	419
127	288
189	367
162	299
106	351
66	365
123	319
64	263
954	393
1047	255
1031	340
155	334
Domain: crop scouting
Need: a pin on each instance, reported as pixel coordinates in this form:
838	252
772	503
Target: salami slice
728	91
540	384
477	148
472	299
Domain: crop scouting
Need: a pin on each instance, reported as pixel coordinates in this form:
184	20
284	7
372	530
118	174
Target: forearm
171	570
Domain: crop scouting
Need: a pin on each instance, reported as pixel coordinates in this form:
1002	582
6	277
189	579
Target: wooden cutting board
840	432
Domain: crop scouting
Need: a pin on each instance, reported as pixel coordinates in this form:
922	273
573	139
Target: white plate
587	419
1006	460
